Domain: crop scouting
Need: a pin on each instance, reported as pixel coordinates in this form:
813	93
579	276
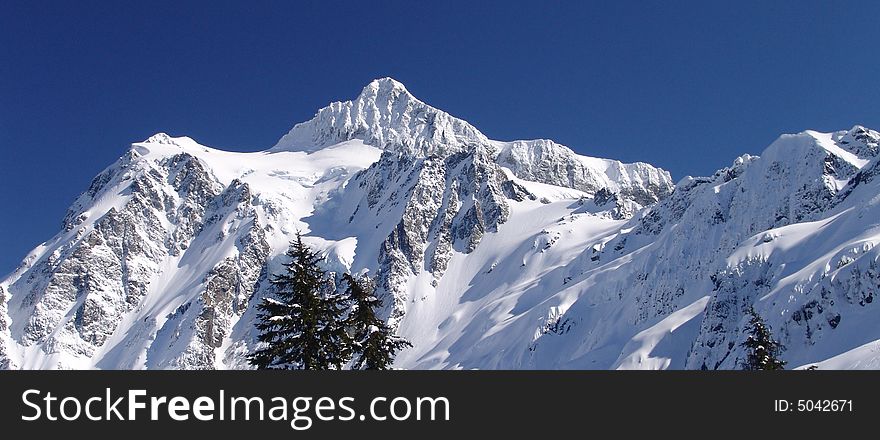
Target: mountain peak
386	116
383	86
160	138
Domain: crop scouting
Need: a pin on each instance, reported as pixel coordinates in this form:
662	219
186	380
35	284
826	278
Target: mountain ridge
488	254
387	116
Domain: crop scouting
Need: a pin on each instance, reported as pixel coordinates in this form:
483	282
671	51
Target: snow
472	304
826	141
384	114
864	357
562	283
665	334
299	181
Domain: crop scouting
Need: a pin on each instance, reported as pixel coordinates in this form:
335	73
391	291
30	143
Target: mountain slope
488	254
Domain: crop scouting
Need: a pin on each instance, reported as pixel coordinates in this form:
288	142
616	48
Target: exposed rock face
100	270
445	205
226	290
5	362
548	162
78	294
861	141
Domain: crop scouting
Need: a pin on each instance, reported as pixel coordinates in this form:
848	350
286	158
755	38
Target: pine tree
302	329
375	344
763	350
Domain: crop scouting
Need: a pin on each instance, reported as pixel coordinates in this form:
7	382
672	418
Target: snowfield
488	254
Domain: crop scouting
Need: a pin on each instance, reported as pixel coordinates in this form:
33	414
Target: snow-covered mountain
488	254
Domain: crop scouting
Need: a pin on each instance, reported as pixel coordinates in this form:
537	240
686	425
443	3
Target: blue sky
687	86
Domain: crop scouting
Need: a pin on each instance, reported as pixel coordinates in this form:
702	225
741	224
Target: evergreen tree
302	329
375	345
763	351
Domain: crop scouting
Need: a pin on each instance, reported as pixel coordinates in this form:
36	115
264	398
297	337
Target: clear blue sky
687	86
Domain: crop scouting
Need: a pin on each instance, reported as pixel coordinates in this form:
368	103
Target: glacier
488	254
